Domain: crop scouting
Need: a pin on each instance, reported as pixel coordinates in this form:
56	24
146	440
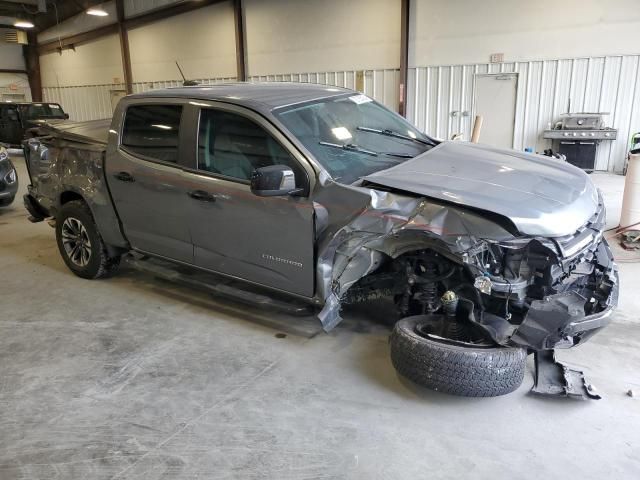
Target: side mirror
273	181
66	116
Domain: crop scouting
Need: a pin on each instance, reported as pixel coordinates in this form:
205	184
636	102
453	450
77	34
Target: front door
10	127
265	240
495	101
147	181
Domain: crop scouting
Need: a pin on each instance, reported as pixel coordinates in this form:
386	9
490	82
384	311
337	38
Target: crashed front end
539	293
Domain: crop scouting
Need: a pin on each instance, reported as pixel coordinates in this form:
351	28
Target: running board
216	285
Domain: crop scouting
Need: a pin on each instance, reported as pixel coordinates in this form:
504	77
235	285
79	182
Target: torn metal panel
390	226
554	378
60	165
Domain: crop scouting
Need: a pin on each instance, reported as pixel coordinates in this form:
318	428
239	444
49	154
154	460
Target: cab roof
260	95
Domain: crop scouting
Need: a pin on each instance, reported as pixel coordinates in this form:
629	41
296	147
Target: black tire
470	371
5	202
98	263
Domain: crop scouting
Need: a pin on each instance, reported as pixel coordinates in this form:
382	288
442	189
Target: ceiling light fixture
23	24
97	11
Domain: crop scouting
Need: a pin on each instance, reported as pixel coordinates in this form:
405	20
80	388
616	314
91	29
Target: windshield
42	110
353	136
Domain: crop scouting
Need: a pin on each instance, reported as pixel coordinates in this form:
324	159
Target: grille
586	239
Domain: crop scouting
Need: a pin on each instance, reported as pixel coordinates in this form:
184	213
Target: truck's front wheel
80	243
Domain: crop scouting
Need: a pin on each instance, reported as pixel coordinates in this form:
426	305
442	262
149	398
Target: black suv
17	118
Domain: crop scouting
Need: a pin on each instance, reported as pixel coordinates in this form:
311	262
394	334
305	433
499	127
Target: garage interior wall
202	41
577	51
13	86
299	48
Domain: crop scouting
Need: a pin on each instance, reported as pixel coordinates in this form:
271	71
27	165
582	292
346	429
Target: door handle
124	177
202	196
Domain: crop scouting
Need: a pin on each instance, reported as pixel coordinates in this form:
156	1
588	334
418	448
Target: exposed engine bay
494	286
481	285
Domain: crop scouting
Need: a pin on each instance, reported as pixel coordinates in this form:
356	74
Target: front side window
234	146
153	131
353	136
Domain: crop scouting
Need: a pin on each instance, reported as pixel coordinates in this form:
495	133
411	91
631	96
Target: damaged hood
540	195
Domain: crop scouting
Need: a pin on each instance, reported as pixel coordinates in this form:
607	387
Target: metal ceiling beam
127	24
404	55
241	40
68	42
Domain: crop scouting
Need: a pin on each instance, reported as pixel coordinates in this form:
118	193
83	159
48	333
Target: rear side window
153	131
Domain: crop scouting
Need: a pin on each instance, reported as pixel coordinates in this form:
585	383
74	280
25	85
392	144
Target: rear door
146	178
265	240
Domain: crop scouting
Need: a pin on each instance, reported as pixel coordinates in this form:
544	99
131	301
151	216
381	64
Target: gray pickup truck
323	195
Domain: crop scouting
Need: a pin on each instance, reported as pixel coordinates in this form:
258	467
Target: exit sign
496	58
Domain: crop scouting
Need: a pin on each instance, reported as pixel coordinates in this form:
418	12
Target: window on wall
153	131
234	146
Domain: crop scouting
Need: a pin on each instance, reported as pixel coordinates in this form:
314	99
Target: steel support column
404	56
124	47
32	64
241	40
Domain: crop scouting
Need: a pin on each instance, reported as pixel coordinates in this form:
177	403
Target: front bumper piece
559	321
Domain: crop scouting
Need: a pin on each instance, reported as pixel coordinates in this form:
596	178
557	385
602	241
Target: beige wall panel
453	32
286	36
94	63
202	41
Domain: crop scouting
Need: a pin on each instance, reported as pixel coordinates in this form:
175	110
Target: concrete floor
134	378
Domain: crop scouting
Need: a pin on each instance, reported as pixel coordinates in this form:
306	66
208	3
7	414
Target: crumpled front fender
390	226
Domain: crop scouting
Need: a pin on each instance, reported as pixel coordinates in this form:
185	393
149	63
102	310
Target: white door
495	100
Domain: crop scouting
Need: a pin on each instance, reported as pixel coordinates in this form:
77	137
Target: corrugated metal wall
604	84
381	84
94	101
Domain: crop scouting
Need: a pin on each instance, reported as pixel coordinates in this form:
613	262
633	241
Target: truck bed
93	131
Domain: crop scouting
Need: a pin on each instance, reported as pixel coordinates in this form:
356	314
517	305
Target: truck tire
80	243
5	202
451	367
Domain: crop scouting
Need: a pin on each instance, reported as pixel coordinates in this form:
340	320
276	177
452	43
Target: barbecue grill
577	136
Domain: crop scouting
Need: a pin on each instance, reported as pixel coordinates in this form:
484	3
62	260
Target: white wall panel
286	36
13	86
94	63
11	56
545	90
202	41
466	32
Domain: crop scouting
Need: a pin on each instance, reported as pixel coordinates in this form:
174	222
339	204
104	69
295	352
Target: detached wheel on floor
470	369
80	243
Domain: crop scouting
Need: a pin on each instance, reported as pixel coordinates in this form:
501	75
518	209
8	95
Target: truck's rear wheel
458	368
80	243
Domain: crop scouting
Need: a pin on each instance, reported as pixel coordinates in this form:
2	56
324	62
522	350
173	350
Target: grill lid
582	121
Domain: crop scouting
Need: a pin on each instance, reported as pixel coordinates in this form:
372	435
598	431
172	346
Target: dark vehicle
8	178
323	195
17	118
